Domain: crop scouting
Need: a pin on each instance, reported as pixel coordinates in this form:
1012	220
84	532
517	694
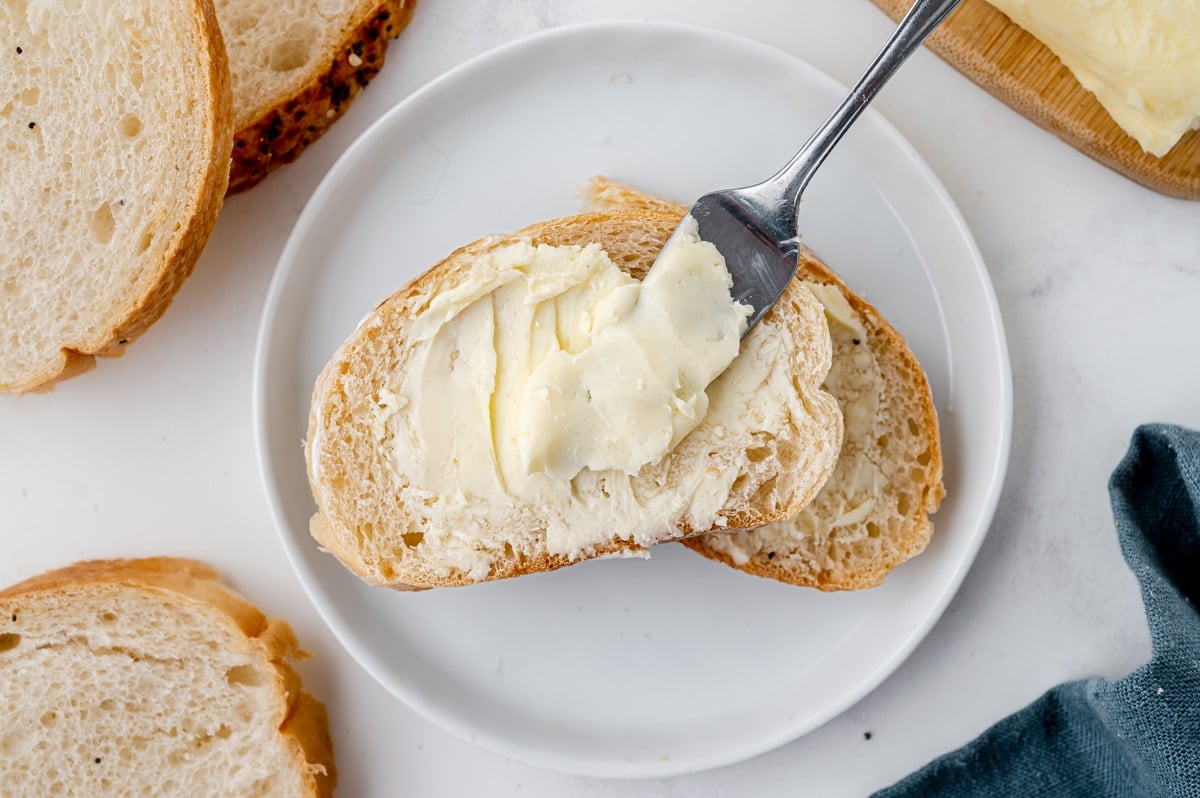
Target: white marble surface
1098	281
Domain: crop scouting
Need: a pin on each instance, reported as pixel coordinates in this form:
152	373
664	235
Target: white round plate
675	664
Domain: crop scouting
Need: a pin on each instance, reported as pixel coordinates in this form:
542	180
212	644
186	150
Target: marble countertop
1098	282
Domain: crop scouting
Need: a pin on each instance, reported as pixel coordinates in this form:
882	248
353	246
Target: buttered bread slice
115	135
874	512
530	402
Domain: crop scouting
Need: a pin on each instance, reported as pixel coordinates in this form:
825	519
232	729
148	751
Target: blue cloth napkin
1134	737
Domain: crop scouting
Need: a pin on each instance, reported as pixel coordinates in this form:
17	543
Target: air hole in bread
10	286
916	474
758	454
102	224
923	458
9	641
136	77
30	96
147	240
872	529
108	617
882	442
130	125
739	484
913	427
237	24
294	51
48	719
413	539
244	676
763	496
6	109
902	504
108	705
787	455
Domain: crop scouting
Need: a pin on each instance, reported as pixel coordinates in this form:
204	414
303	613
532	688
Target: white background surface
1099	283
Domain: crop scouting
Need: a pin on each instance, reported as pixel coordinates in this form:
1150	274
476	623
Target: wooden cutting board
984	45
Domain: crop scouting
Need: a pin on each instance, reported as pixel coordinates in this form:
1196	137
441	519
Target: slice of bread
150	677
115	136
769	441
296	67
873	513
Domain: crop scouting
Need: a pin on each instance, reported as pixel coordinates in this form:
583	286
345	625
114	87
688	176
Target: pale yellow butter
1141	58
636	385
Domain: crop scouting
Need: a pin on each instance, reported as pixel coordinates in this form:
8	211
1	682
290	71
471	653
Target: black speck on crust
32	125
866	735
357	47
857	342
19	51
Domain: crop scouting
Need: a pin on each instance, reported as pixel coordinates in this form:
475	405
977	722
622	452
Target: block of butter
1141	58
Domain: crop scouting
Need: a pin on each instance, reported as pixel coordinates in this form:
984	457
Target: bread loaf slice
150	677
115	135
874	512
296	67
769	448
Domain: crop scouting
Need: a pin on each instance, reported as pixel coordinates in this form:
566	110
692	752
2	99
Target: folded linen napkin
1136	737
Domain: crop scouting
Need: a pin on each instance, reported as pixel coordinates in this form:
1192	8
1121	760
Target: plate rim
996	469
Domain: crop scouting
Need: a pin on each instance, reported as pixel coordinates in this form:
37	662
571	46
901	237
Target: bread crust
305	725
210	179
280	132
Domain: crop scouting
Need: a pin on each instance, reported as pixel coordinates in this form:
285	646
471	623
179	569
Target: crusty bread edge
187	242
305	727
918	527
281	132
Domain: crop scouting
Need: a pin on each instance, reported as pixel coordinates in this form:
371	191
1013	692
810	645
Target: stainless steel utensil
755	227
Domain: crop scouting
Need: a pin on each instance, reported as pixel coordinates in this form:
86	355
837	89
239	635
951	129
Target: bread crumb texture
150	677
115	127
